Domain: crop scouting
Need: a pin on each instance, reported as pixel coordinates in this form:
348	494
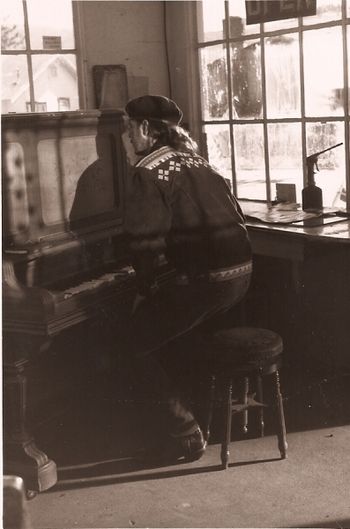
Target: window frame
300	29
78	51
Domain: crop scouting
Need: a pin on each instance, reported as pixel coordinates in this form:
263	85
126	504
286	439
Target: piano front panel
63	206
62	171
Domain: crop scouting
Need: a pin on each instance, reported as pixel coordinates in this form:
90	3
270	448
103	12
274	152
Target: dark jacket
177	204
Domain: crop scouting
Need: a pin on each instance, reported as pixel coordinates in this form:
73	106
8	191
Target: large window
39	66
274	93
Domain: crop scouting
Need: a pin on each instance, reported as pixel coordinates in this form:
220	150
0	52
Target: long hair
172	135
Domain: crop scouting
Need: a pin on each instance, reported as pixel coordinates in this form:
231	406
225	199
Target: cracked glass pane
246	79
214	82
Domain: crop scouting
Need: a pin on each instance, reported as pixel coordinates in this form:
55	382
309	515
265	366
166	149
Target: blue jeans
177	309
171	313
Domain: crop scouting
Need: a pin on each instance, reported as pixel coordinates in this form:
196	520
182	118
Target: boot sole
194	456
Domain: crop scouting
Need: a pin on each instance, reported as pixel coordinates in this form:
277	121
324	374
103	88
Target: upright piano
64	253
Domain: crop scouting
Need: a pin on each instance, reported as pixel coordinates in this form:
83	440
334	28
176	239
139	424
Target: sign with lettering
52	43
267	10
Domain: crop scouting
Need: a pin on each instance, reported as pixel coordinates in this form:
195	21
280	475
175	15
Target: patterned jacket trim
157	157
153	160
213	276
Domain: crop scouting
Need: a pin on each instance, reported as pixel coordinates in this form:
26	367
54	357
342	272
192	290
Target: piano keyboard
105	279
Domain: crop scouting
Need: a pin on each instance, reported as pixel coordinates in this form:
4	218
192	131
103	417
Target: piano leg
21	456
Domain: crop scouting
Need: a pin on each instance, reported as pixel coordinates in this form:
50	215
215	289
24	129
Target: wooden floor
102	483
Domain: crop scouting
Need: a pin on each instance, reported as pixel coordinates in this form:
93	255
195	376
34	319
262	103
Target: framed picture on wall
111	86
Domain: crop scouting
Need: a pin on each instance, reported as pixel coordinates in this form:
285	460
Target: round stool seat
239	358
244	347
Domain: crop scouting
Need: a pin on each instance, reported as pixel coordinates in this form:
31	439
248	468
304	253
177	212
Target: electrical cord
166	48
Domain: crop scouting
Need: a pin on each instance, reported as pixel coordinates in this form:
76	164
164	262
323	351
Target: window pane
12	26
281	24
210	16
246	79
15	85
55	77
249	161
323	80
219	149
238	24
331	177
285	155
214	82
46	19
326	10
282	76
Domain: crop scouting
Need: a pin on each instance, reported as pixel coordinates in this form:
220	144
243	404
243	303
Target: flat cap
158	108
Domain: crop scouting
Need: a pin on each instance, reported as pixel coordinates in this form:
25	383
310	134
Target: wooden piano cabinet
22	457
63	181
65	266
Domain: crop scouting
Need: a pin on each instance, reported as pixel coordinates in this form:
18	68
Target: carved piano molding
21	455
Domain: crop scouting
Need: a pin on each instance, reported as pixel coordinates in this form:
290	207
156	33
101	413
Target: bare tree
11	37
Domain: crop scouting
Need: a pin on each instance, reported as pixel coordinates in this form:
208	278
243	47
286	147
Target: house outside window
38	39
274	93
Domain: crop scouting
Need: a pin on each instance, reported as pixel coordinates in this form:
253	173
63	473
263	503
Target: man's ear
145	127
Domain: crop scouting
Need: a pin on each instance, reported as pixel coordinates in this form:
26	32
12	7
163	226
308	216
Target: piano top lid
48	118
63	173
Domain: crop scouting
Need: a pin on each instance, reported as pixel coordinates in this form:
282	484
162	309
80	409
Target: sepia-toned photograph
176	264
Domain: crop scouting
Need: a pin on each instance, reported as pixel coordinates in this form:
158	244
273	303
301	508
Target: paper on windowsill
284	213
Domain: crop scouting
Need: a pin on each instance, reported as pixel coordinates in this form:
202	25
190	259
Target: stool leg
245	401
282	435
225	452
211	399
260	398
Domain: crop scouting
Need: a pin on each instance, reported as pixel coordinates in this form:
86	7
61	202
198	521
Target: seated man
179	206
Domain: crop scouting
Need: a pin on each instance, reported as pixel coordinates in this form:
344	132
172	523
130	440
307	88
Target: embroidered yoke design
164	154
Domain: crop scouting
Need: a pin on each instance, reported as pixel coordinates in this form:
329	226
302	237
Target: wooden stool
241	354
